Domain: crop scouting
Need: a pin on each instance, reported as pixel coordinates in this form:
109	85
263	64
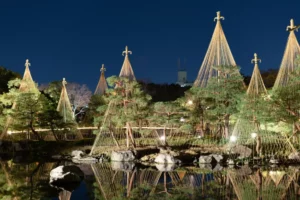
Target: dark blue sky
73	38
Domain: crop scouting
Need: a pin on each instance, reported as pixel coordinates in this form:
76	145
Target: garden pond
23	179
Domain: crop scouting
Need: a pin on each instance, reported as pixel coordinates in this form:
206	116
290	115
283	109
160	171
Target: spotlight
162	138
233	138
253	135
190	102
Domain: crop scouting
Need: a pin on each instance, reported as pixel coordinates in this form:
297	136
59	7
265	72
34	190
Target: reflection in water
20	181
112	181
195	183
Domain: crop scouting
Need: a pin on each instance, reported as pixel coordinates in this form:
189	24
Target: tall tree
222	95
127	106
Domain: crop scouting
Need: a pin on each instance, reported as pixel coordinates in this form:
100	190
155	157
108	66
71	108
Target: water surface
116	181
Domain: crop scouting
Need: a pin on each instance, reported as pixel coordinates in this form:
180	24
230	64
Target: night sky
72	39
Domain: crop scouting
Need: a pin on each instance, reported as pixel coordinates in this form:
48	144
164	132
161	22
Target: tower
181	75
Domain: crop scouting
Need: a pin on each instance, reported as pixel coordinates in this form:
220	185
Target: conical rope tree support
292	49
27	84
100	131
126	70
65	109
247	130
102	84
218	53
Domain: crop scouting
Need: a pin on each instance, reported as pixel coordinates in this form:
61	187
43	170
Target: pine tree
127	106
222	96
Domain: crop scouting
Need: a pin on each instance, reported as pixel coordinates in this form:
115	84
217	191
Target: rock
66	177
123	166
205	166
205	159
122	156
166	158
218	167
217	157
168	151
294	156
191	152
243	151
148	158
165	167
230	162
77	154
86	160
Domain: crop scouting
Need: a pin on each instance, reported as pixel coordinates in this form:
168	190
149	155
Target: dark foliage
163	92
5	76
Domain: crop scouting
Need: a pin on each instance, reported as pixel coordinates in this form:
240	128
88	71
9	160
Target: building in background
182	76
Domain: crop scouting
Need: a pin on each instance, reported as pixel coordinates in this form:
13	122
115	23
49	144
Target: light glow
233	138
253	135
162	138
9	132
190	102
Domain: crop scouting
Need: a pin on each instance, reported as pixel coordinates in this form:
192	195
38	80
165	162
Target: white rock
230	162
122	166
166	158
77	154
66	177
205	166
57	173
165	167
294	156
122	156
205	159
218	167
217	157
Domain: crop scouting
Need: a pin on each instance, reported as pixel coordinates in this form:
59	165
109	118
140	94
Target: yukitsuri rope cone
247	130
102	84
218	53
288	61
27	84
126	70
256	86
64	105
256	89
261	184
65	109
